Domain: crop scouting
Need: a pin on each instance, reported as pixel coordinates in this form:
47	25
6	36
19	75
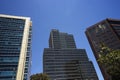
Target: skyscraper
15	47
63	61
107	32
59	40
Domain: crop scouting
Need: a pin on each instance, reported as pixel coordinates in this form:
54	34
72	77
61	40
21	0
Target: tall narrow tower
15	47
63	61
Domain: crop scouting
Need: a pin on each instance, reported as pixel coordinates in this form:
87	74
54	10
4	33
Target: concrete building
63	61
107	32
15	47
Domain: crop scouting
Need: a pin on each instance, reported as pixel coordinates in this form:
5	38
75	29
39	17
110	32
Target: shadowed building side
107	32
63	61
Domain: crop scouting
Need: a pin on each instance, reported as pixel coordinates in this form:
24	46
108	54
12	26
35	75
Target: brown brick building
107	32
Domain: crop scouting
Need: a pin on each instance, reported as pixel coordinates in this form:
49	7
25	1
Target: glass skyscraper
63	61
15	47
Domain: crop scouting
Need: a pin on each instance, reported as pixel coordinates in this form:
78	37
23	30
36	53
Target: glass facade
68	64
11	36
62	61
59	40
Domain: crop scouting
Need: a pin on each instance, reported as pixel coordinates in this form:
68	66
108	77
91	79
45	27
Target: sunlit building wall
15	47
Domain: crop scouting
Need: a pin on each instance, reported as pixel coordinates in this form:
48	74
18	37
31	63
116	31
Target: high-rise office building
15	47
63	61
59	40
107	32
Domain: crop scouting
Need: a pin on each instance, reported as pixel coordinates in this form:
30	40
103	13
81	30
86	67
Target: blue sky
71	16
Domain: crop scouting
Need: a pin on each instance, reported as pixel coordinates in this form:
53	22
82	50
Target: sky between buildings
70	16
